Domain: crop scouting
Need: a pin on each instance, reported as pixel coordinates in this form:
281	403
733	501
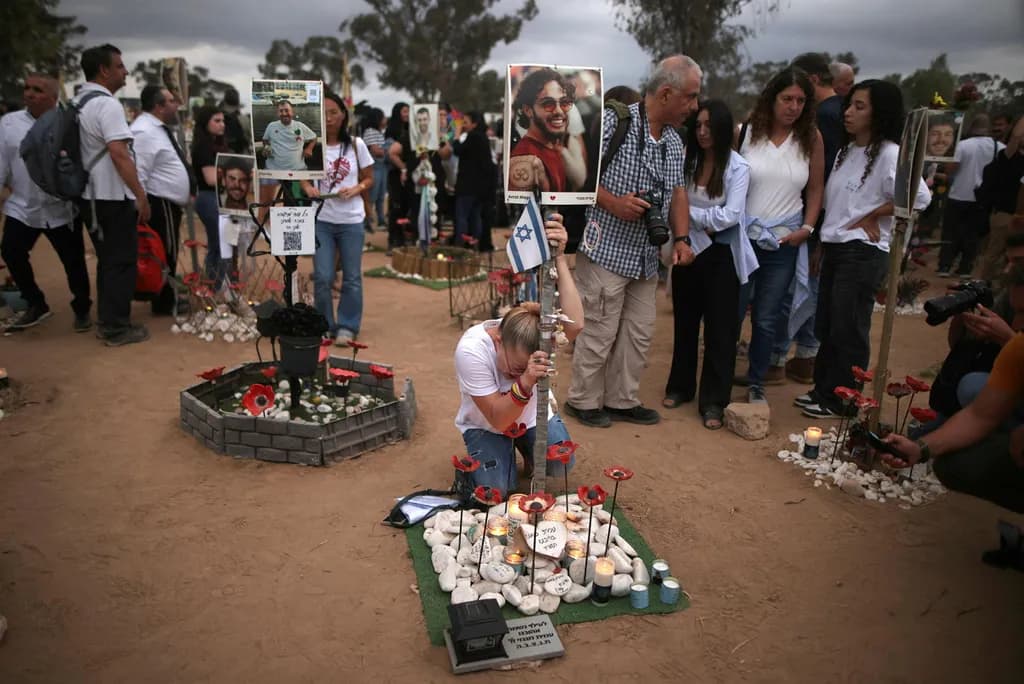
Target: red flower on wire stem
358	345
845	394
191	278
466	464
212	374
618	473
275	286
489	496
269	372
918	385
343	374
866	403
380	372
898	390
593	495
536	503
258	399
863	375
562	451
923	415
515	430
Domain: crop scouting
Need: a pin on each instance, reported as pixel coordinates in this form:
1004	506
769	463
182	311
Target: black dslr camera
965	298
654	218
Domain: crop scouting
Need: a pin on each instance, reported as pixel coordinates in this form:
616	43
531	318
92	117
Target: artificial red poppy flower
258	399
358	345
191	278
593	495
866	403
380	372
325	351
489	496
343	374
466	464
520	278
202	291
923	415
845	394
237	286
402	221
497	276
469	239
918	385
562	451
515	430
898	390
618	473
275	286
503	288
269	372
211	374
192	244
536	503
863	375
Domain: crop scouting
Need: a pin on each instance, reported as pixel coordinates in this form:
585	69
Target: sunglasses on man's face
548	104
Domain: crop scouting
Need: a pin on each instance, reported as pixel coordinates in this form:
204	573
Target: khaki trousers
611	352
992	259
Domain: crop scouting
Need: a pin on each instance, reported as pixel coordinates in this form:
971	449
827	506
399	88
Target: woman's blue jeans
206	207
346	238
770	283
497	455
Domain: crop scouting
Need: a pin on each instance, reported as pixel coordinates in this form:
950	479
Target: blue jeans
806	343
348	239
468	219
770	283
206	207
497	456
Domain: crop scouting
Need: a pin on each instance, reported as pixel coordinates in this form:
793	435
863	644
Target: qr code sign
292	240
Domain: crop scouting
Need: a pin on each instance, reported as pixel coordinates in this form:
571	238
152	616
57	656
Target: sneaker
755	395
82	323
805	400
800	370
638	414
819	411
589	417
343	338
33	315
132	335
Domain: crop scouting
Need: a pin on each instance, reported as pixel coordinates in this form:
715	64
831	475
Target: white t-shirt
157	162
101	122
27	203
476	369
847	201
343	172
777	177
286	143
973	155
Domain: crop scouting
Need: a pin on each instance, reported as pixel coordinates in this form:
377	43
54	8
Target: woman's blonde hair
520	327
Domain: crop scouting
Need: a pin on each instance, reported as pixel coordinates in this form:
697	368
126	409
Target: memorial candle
497	527
812	440
514	559
574	549
604	571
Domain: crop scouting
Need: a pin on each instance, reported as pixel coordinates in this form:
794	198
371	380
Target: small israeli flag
528	246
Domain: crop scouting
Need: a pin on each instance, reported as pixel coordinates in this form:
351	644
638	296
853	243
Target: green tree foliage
919	88
318	59
435	49
35	38
199	82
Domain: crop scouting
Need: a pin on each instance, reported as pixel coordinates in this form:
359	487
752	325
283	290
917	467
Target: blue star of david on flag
529	246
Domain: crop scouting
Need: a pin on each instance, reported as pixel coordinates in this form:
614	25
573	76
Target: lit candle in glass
497	527
514	559
574	549
604	571
515	513
812	439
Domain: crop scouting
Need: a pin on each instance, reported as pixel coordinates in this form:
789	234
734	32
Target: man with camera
641	204
980	450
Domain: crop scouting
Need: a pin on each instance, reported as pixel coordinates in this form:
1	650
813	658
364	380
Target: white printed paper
293	231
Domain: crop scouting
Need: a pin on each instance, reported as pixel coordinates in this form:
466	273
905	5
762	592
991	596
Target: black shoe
637	414
806	399
590	417
132	335
821	412
82	323
33	315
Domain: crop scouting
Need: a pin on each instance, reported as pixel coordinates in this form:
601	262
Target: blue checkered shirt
621	246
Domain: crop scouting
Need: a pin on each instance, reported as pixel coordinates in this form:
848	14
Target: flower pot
299	355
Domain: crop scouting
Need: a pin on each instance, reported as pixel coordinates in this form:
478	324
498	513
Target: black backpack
52	152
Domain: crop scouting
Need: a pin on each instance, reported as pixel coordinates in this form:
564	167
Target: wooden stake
901	228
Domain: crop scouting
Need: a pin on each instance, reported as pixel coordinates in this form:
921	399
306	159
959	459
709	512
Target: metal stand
546	288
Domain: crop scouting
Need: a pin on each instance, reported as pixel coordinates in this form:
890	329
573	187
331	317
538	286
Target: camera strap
645	130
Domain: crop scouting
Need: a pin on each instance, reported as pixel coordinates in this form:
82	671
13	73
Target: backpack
52	153
618	135
151	262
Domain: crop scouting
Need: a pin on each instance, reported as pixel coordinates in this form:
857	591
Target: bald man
31	212
842	78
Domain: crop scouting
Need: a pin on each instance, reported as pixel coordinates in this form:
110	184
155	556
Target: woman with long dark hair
716	180
207	141
787	170
855	237
377	144
399	173
339	226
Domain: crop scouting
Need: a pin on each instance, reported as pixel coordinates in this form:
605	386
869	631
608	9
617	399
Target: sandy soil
129	553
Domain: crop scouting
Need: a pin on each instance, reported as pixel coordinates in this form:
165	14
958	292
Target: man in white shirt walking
164	174
114	193
31	213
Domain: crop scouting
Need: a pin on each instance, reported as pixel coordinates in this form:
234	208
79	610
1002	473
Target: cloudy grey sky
887	35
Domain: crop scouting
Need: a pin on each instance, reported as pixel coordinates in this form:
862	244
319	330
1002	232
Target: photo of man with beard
541	107
234	183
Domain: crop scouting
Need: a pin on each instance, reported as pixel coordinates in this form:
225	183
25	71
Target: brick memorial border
298	441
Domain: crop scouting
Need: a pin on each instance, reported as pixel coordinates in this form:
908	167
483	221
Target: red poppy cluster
846	395
866	403
898	390
343	374
192	244
918	385
275	286
191	278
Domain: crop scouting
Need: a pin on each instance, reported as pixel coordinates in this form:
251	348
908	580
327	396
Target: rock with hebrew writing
499	573
559	584
551	536
625	546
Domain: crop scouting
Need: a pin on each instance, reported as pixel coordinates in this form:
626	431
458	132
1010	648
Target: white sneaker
343	338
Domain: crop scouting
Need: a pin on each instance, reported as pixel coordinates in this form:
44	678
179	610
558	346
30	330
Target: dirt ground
130	553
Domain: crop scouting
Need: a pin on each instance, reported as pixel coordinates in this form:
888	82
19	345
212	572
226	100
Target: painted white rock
559	584
466	555
602	533
621	560
463	582
549	603
852	487
447	577
494	595
435	537
498	554
542	576
487	549
625	546
529	605
542	563
522	583
577	566
578	593
499	573
597	549
485	586
512	595
464	595
640	573
440	556
621	584
467	571
550	538
324	408
459	543
602	516
475	532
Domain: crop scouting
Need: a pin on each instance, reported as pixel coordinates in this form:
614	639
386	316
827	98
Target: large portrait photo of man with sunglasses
550	114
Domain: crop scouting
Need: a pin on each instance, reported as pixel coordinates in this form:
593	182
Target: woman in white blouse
855	238
716	180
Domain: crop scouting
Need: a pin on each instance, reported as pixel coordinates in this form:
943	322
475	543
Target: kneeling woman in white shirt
855	237
497	365
339	227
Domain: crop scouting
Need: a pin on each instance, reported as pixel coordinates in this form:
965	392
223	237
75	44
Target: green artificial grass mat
439	284
435	602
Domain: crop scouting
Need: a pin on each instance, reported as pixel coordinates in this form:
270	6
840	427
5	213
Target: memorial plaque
528	638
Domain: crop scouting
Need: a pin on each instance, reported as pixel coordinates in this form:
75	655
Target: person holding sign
339	228
497	365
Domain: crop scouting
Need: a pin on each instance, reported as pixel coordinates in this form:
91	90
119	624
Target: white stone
602	516
871	495
512	595
498	554
175	329
542	576
621	584
499	573
440	556
529	605
485	586
460	543
487	549
324	408
464	595
447	577
494	595
550	537
621	560
434	537
467	571
578	593
559	584
522	584
640	572
576	569
852	487
549	603
283	386
602	534
463	582
749	421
